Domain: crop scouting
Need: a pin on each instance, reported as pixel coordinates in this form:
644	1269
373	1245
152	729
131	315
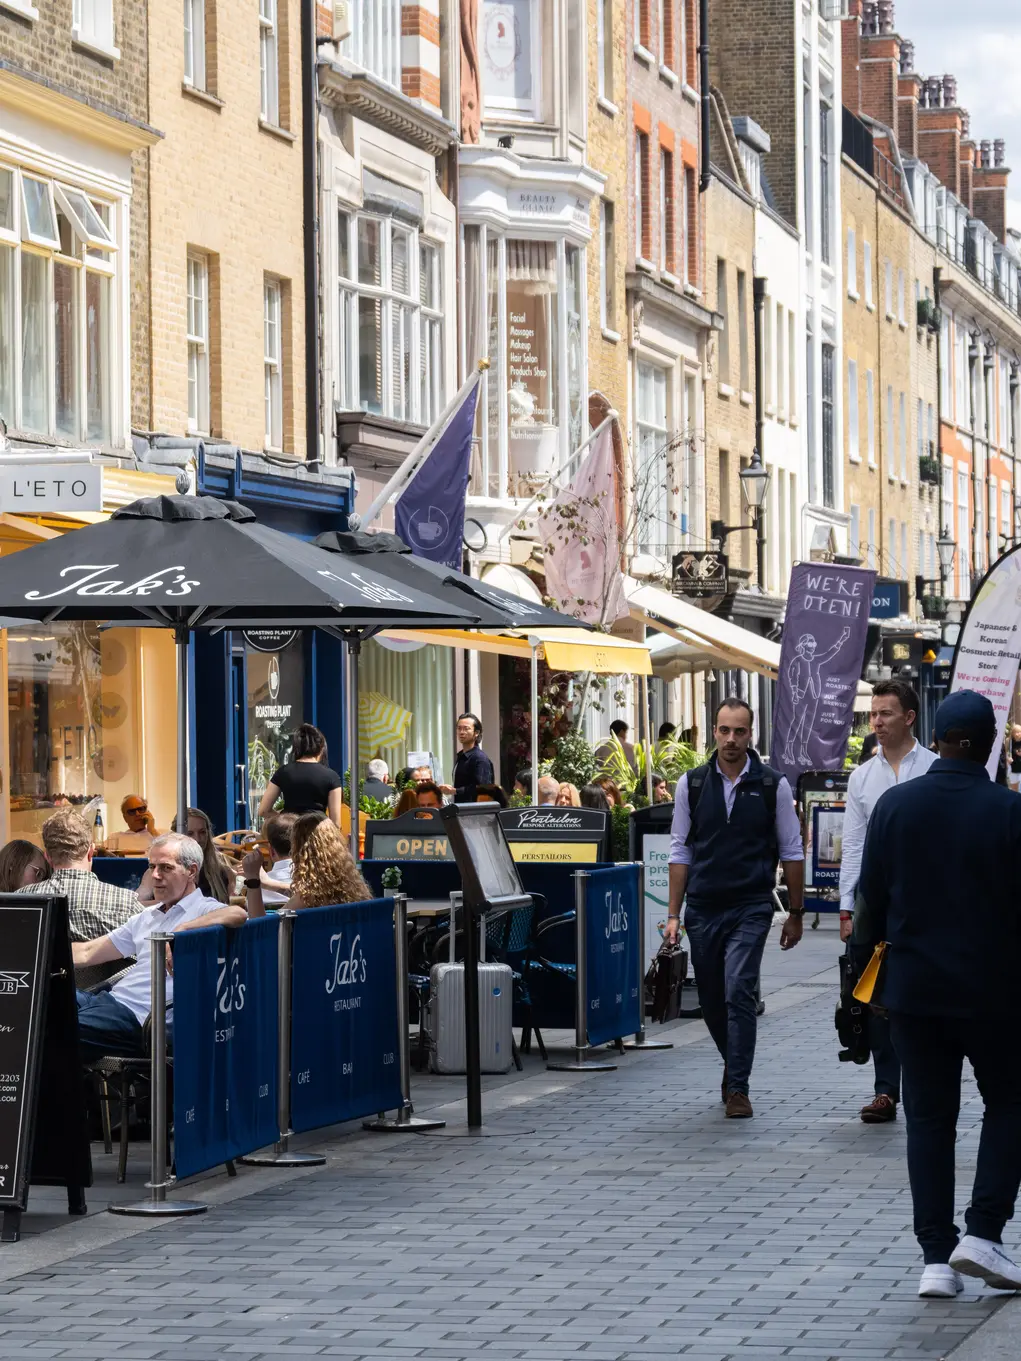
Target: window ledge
23	11
666	277
854	295
201	96
793	422
770	409
666	74
607	105
689	92
902	324
870	304
692	291
725	390
644	55
93	48
275	131
853	458
643	264
826	270
889	316
607	334
746	398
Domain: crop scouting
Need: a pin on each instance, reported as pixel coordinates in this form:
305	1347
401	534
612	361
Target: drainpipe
310	196
703	75
758	304
973	396
937	285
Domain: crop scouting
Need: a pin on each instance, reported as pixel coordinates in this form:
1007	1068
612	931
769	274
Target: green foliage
573	762
375	808
392	877
672	758
518	800
853	750
669	759
619	832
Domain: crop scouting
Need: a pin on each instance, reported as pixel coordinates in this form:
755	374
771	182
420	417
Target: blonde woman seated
323	872
568	796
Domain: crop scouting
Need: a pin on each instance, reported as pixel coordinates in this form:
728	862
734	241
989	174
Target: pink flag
581	541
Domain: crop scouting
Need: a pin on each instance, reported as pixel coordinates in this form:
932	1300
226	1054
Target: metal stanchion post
405	1121
640	1041
158	1180
580	1063
282	1154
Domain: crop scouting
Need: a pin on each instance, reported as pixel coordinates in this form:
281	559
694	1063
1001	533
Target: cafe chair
551	973
510	939
126	1083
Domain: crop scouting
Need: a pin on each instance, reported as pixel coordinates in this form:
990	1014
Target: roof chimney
986	148
949	92
907	56
885	8
965	124
934	86
999	152
869	18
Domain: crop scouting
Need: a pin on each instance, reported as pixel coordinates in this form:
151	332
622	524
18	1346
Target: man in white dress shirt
111	1022
899	757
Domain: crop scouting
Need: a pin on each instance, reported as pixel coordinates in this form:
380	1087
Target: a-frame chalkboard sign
43	1127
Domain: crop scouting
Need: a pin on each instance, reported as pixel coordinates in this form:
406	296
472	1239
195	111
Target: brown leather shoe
738	1106
881	1109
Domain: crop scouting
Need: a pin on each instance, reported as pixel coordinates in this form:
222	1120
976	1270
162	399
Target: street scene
510	536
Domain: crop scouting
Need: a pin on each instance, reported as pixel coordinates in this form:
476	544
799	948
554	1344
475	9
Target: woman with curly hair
323	872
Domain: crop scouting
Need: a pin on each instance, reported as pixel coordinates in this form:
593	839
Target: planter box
934	607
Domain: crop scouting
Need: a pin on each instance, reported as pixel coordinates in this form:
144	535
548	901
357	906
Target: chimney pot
885	8
987	152
965	123
935	88
907	56
999	152
868	18
949	91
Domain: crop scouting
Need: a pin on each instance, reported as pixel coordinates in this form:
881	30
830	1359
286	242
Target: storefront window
73	698
510	40
275	665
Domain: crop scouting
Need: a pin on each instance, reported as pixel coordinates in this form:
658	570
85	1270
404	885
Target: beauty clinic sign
989	647
820	662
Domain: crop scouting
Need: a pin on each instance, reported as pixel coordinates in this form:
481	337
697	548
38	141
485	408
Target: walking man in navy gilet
734	819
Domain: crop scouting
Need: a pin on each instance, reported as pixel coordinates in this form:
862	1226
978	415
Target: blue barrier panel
344	1039
419	878
224	1043
125	871
611	953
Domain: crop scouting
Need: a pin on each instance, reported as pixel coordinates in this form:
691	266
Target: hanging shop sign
41	488
700	575
557	835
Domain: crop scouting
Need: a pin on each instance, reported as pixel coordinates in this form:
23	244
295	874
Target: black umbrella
195	562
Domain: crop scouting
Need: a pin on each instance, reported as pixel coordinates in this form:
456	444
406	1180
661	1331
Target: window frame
197	340
607	265
853	425
647	426
866	265
195	71
273	363
92	26
269	80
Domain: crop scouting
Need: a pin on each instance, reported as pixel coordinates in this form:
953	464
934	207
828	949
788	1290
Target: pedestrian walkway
633	1222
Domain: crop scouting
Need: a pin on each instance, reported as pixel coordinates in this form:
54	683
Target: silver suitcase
446	1015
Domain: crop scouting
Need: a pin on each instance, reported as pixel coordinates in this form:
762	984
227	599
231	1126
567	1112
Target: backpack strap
696	783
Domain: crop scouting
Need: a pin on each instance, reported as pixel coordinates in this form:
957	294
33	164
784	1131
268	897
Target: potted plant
934	607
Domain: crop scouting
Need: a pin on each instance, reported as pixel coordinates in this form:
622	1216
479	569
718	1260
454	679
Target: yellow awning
564	649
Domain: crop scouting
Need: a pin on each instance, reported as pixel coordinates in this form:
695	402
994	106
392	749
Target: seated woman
22	865
568	796
406	801
323	872
216	878
594	796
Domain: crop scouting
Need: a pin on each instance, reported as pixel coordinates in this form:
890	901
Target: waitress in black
307	783
472	767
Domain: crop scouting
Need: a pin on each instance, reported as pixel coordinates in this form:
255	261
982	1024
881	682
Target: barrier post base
283	1156
581	1064
168	1209
404	1122
641	1041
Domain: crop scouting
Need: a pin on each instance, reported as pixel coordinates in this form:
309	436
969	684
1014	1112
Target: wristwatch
253	883
796	911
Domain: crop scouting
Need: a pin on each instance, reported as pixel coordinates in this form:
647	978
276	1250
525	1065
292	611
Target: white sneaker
939	1282
979	1257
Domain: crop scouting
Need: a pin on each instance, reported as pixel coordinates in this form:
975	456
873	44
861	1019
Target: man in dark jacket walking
941	883
472	766
733	820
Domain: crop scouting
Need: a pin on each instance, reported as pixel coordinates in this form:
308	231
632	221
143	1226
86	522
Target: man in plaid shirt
94	908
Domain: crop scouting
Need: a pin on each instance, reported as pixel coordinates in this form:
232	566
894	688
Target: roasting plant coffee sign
821	655
989	646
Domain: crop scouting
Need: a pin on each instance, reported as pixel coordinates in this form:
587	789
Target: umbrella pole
354	647
535	721
181	639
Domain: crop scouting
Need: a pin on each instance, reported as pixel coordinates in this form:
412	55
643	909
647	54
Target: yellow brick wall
222	184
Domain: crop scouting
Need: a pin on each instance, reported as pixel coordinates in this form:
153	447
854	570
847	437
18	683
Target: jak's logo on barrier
613	1005
344	1014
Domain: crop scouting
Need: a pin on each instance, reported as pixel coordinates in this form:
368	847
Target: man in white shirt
111	1022
899	757
276	881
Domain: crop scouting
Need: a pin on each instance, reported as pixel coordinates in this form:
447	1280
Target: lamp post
946	548
754	487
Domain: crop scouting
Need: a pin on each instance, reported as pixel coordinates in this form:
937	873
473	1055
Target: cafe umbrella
191	563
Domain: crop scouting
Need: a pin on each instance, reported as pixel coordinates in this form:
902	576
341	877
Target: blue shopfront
251	689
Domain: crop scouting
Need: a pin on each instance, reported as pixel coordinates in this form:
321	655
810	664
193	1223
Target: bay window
534	334
57	253
390	307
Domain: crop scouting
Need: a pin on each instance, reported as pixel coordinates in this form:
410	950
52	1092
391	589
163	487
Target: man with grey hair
549	788
377	782
111	1022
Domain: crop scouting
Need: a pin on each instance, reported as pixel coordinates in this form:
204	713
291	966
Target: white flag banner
581	541
989	648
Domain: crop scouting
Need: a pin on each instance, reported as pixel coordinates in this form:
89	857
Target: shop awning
726	644
564	649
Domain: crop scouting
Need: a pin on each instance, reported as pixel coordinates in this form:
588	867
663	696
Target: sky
979	42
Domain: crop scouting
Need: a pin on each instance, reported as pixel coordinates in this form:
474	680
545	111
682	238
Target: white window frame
92	26
604	54
90	252
195	44
902	435
901	315
273	364
503	106
607	266
427	329
269	63
375	41
889	289
870	414
853	432
852	266
652	434
866	265
197	329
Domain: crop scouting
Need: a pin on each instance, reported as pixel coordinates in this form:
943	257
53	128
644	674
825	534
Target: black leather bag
664	982
851	1019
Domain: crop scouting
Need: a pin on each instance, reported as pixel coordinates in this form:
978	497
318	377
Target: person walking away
306	782
941	883
472	766
377	781
617	741
94	908
734	818
898	758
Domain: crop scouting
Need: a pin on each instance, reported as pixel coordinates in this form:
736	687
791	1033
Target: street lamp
946	547
754	486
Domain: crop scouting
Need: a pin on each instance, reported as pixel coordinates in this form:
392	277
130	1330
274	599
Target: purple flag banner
821	653
429	514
